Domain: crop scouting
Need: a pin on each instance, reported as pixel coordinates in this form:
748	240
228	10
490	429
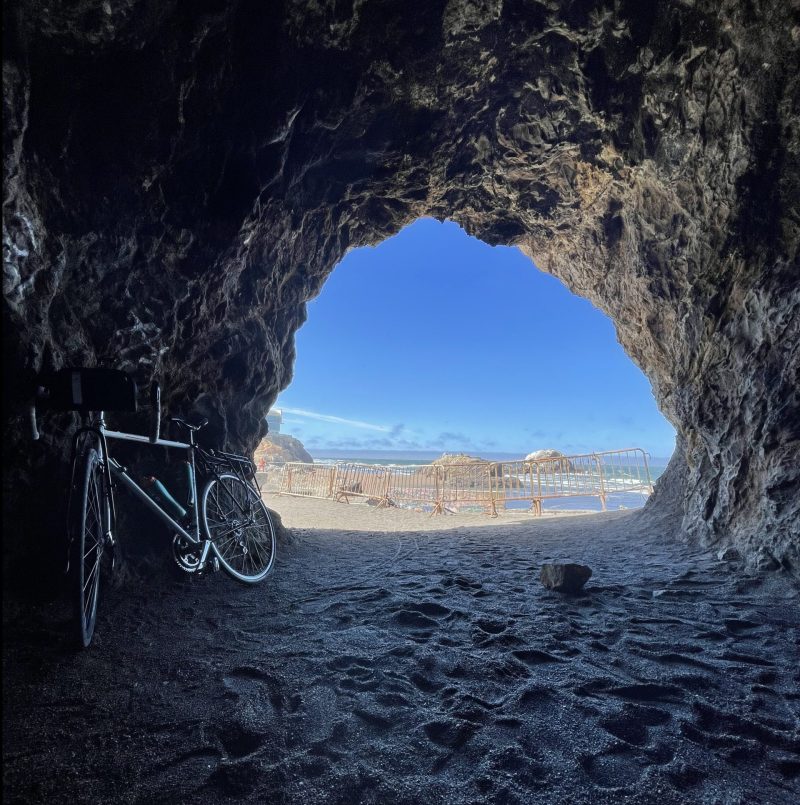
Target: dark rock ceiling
181	177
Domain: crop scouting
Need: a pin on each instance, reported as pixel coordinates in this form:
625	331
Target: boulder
565	578
554	460
538	455
469	472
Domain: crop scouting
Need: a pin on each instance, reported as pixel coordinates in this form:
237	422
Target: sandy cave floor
419	665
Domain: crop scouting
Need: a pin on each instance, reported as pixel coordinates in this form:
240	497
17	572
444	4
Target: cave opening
433	342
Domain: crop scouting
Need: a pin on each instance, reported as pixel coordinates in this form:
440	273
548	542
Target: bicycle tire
91	522
239	526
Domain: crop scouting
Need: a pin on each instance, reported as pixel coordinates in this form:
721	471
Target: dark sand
421	666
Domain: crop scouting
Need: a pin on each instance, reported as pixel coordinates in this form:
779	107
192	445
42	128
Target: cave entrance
433	342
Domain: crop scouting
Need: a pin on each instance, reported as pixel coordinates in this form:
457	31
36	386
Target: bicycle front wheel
88	539
239	526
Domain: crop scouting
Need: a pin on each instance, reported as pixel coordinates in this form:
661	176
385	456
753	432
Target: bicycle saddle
188	425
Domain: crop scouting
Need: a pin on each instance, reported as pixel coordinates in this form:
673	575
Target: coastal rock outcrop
180	179
278	448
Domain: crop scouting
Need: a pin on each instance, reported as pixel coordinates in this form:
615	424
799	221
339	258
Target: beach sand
398	658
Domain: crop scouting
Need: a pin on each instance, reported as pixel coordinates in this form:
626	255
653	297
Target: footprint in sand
535	657
239	740
739	625
535	697
420	615
449	732
431	609
375	720
492	626
462	583
648	692
613	769
248	681
424	683
749	659
513	761
632	724
413	620
510	669
393	700
349	662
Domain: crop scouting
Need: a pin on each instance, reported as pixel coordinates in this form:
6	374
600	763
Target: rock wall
180	178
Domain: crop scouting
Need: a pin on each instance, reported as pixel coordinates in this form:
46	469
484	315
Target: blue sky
433	340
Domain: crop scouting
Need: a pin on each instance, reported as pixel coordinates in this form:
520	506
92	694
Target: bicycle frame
113	470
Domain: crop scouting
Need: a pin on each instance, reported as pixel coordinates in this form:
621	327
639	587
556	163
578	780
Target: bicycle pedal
215	564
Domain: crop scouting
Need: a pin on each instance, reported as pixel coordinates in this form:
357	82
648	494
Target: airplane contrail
338	420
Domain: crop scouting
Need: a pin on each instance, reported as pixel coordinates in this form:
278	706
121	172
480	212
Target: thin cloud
337	420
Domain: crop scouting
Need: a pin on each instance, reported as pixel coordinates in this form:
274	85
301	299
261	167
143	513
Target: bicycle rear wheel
239	526
91	522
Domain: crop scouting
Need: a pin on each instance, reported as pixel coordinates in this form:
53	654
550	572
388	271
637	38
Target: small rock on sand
565	578
729	554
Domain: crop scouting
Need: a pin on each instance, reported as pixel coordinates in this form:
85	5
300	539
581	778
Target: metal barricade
308	480
441	488
369	481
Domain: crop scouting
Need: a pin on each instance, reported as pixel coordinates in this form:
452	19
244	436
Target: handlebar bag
84	390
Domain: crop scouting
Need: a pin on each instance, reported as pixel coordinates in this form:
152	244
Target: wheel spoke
91	509
239	527
91	576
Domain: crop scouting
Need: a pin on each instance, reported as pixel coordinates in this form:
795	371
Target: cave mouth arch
177	187
433	341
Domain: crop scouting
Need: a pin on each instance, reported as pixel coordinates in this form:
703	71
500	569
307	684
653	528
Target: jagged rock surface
181	178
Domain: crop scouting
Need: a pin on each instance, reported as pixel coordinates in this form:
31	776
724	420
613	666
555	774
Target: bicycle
227	525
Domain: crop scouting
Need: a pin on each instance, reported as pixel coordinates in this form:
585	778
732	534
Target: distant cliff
278	447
